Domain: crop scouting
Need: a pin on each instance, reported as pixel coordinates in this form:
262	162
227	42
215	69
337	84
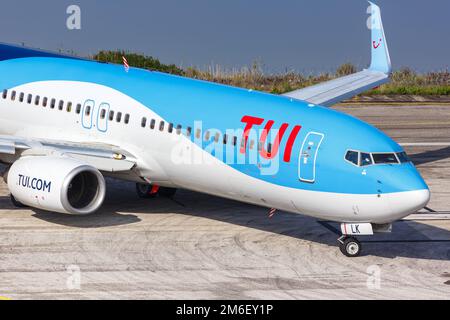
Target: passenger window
61	105
69	107
235	141
385	158
78	110
269	148
103	114
207	136
30	98
217	137
161	126
152	124
366	159
127	119
353	157
170	127
36	100
179	129
225	139
119	116
143	122
21	97
88	111
5	94
252	144
13	95
188	131
53	103
111	115
198	133
44	102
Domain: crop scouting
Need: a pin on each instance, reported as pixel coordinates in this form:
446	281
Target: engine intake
57	183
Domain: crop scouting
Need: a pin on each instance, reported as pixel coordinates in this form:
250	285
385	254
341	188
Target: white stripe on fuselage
154	150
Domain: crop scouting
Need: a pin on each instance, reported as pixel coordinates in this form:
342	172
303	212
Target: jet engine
57	183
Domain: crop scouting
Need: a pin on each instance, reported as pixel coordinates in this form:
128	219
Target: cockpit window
403	157
366	159
353	157
363	159
385	158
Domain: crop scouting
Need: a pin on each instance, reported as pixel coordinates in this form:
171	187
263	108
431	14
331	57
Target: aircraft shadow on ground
122	205
430	156
100	219
103	218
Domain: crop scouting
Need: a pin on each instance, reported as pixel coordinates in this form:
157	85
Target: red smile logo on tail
376	45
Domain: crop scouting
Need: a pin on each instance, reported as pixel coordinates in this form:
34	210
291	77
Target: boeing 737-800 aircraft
66	123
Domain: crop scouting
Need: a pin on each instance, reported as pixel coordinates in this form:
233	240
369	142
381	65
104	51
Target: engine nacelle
57	183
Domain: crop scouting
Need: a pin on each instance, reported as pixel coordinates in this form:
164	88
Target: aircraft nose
405	203
409	192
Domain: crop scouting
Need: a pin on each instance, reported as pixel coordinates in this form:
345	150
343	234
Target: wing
337	90
107	158
8	51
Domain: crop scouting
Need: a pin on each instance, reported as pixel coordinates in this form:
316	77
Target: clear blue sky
303	35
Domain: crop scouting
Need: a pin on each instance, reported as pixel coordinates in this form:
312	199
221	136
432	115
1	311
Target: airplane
67	123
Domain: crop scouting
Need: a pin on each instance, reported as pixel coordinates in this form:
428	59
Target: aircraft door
87	114
308	157
102	117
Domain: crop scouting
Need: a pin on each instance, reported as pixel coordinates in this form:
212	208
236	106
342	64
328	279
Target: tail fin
381	61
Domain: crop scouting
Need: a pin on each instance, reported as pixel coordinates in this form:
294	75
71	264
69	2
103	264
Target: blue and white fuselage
319	182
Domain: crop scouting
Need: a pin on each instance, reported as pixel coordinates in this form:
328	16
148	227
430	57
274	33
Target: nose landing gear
349	246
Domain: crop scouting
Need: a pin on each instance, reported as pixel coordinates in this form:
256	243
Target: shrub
345	70
138	61
404	81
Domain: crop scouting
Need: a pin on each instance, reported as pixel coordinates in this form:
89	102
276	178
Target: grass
404	81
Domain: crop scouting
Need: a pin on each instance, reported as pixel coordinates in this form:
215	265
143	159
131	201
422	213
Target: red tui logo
376	45
254	121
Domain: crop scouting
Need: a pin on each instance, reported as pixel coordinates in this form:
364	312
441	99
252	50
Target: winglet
381	61
339	89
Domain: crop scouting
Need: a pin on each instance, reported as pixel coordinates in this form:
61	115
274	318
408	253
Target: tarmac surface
202	247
